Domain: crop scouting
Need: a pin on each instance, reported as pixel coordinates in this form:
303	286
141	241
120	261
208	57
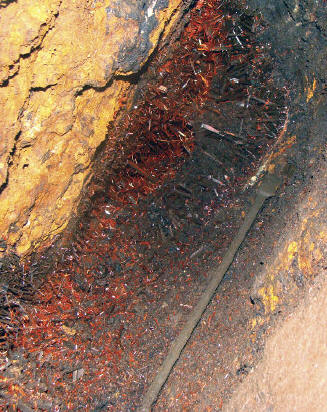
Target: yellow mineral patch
292	250
305	253
256	322
304	223
291	140
271	168
269	298
323	236
317	255
69	331
305	262
253	323
311	89
38	11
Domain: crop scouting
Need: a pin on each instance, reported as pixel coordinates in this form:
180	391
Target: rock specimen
64	65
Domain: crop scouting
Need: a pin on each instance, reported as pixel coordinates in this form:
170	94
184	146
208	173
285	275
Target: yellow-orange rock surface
59	61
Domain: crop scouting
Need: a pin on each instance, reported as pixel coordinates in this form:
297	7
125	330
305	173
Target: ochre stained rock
59	67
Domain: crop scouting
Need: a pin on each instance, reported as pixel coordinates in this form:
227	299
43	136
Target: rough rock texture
292	374
64	65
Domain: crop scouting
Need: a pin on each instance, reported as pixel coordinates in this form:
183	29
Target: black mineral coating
133	54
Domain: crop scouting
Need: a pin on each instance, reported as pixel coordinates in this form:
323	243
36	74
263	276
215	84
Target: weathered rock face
59	67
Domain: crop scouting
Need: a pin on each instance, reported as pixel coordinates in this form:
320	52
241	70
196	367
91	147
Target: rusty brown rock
59	62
